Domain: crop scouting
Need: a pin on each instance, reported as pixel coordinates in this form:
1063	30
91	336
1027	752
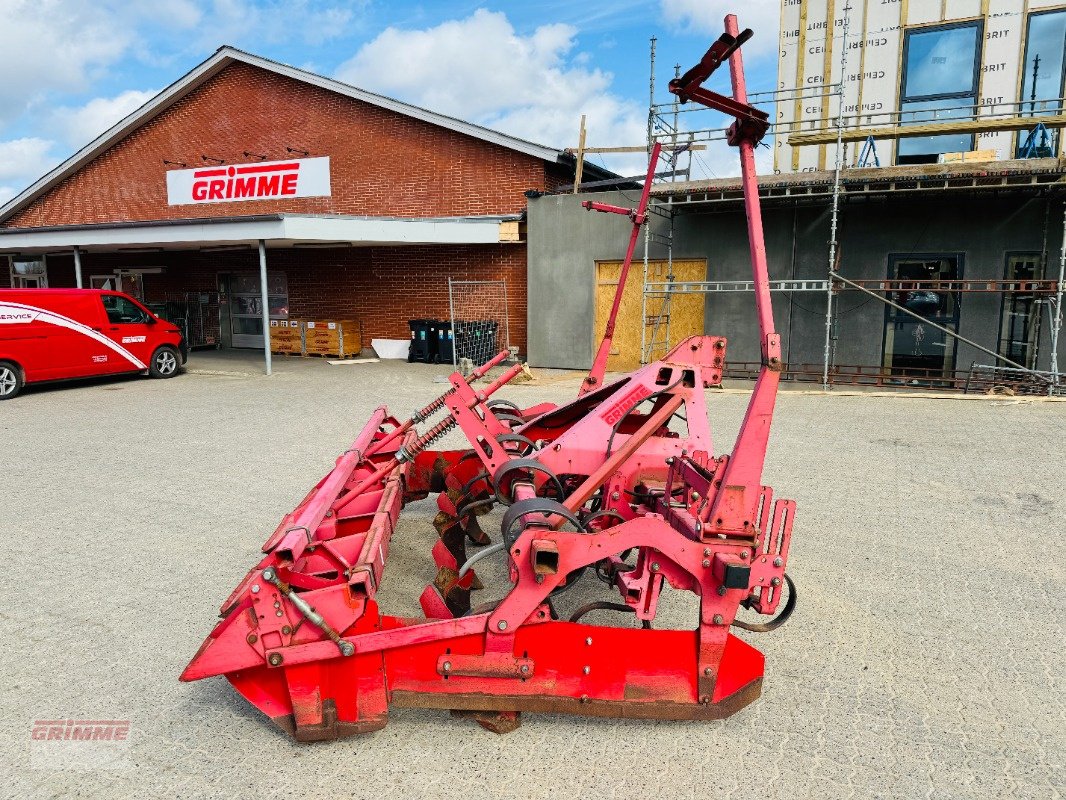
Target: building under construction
914	221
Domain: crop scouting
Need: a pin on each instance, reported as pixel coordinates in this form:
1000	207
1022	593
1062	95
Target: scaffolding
666	124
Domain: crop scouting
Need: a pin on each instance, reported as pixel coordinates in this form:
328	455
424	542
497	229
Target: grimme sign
264	180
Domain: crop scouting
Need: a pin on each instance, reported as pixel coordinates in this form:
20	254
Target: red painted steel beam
599	364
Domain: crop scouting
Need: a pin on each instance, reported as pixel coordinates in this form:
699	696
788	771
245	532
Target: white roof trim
278	231
222	58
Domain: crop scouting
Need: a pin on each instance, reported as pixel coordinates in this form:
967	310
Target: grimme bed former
598	486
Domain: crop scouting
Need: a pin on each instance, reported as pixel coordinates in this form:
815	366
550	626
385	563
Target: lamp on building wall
248	154
175	163
304	153
212	158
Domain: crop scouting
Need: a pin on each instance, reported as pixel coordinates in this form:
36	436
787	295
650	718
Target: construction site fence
978	379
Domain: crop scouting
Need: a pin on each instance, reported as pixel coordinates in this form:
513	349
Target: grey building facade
946	241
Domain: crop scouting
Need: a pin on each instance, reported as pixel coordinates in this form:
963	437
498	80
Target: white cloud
479	69
247	22
79	126
65	46
50	45
25	159
707	17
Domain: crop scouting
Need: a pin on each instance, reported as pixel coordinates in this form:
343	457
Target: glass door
246	306
1020	317
911	347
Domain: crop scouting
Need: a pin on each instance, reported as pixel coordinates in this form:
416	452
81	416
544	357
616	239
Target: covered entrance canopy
271	231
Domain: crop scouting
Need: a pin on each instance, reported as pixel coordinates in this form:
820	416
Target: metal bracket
490	665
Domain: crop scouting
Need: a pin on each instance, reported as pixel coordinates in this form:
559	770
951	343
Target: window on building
1042	81
27	274
912	348
939	83
1019	320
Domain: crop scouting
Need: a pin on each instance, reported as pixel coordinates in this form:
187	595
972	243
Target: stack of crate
286	336
337	338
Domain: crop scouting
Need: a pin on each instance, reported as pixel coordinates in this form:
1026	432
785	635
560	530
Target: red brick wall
383	287
382	163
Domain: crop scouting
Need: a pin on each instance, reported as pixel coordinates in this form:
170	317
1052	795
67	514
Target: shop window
911	347
1042	81
27	274
1019	319
939	83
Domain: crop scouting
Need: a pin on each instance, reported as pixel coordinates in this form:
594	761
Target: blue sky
70	69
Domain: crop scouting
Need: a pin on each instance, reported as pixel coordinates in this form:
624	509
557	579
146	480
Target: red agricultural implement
601	485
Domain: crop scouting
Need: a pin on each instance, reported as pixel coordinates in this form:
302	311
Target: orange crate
333	337
286	336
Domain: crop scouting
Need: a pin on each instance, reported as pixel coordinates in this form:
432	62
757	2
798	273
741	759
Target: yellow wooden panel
686	310
926	129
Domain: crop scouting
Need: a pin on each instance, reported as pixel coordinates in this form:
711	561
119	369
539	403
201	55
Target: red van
57	334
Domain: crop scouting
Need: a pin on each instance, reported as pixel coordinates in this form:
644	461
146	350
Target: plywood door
685	312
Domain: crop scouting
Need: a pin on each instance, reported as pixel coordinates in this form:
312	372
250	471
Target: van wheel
164	363
10	380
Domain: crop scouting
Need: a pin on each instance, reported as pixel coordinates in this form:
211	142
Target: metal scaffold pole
1056	320
644	300
651	95
836	199
647	229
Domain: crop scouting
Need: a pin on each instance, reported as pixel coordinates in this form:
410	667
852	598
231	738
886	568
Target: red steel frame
589	484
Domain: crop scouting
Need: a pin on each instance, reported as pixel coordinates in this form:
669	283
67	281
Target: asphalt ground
925	659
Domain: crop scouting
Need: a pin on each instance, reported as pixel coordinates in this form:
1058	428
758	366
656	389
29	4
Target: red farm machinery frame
600	483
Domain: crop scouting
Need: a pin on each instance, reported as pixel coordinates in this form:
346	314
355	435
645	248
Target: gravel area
925	659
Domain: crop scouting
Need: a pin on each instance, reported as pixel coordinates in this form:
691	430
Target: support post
644	302
266	305
455	333
77	267
579	168
651	95
1056	321
833	225
506	318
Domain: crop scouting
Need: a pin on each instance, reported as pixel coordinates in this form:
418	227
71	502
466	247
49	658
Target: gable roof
224	57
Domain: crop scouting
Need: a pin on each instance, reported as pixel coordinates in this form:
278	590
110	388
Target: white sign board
264	180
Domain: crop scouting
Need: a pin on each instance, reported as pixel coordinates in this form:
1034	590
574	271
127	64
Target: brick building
361	206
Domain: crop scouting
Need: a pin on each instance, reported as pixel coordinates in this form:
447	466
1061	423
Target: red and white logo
622	408
265	180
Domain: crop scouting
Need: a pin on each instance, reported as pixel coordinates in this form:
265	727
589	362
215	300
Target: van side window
121	311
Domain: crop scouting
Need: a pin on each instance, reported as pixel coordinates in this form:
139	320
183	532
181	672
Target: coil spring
432	408
408	452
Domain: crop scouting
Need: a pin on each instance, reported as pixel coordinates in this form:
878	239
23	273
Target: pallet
333	355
